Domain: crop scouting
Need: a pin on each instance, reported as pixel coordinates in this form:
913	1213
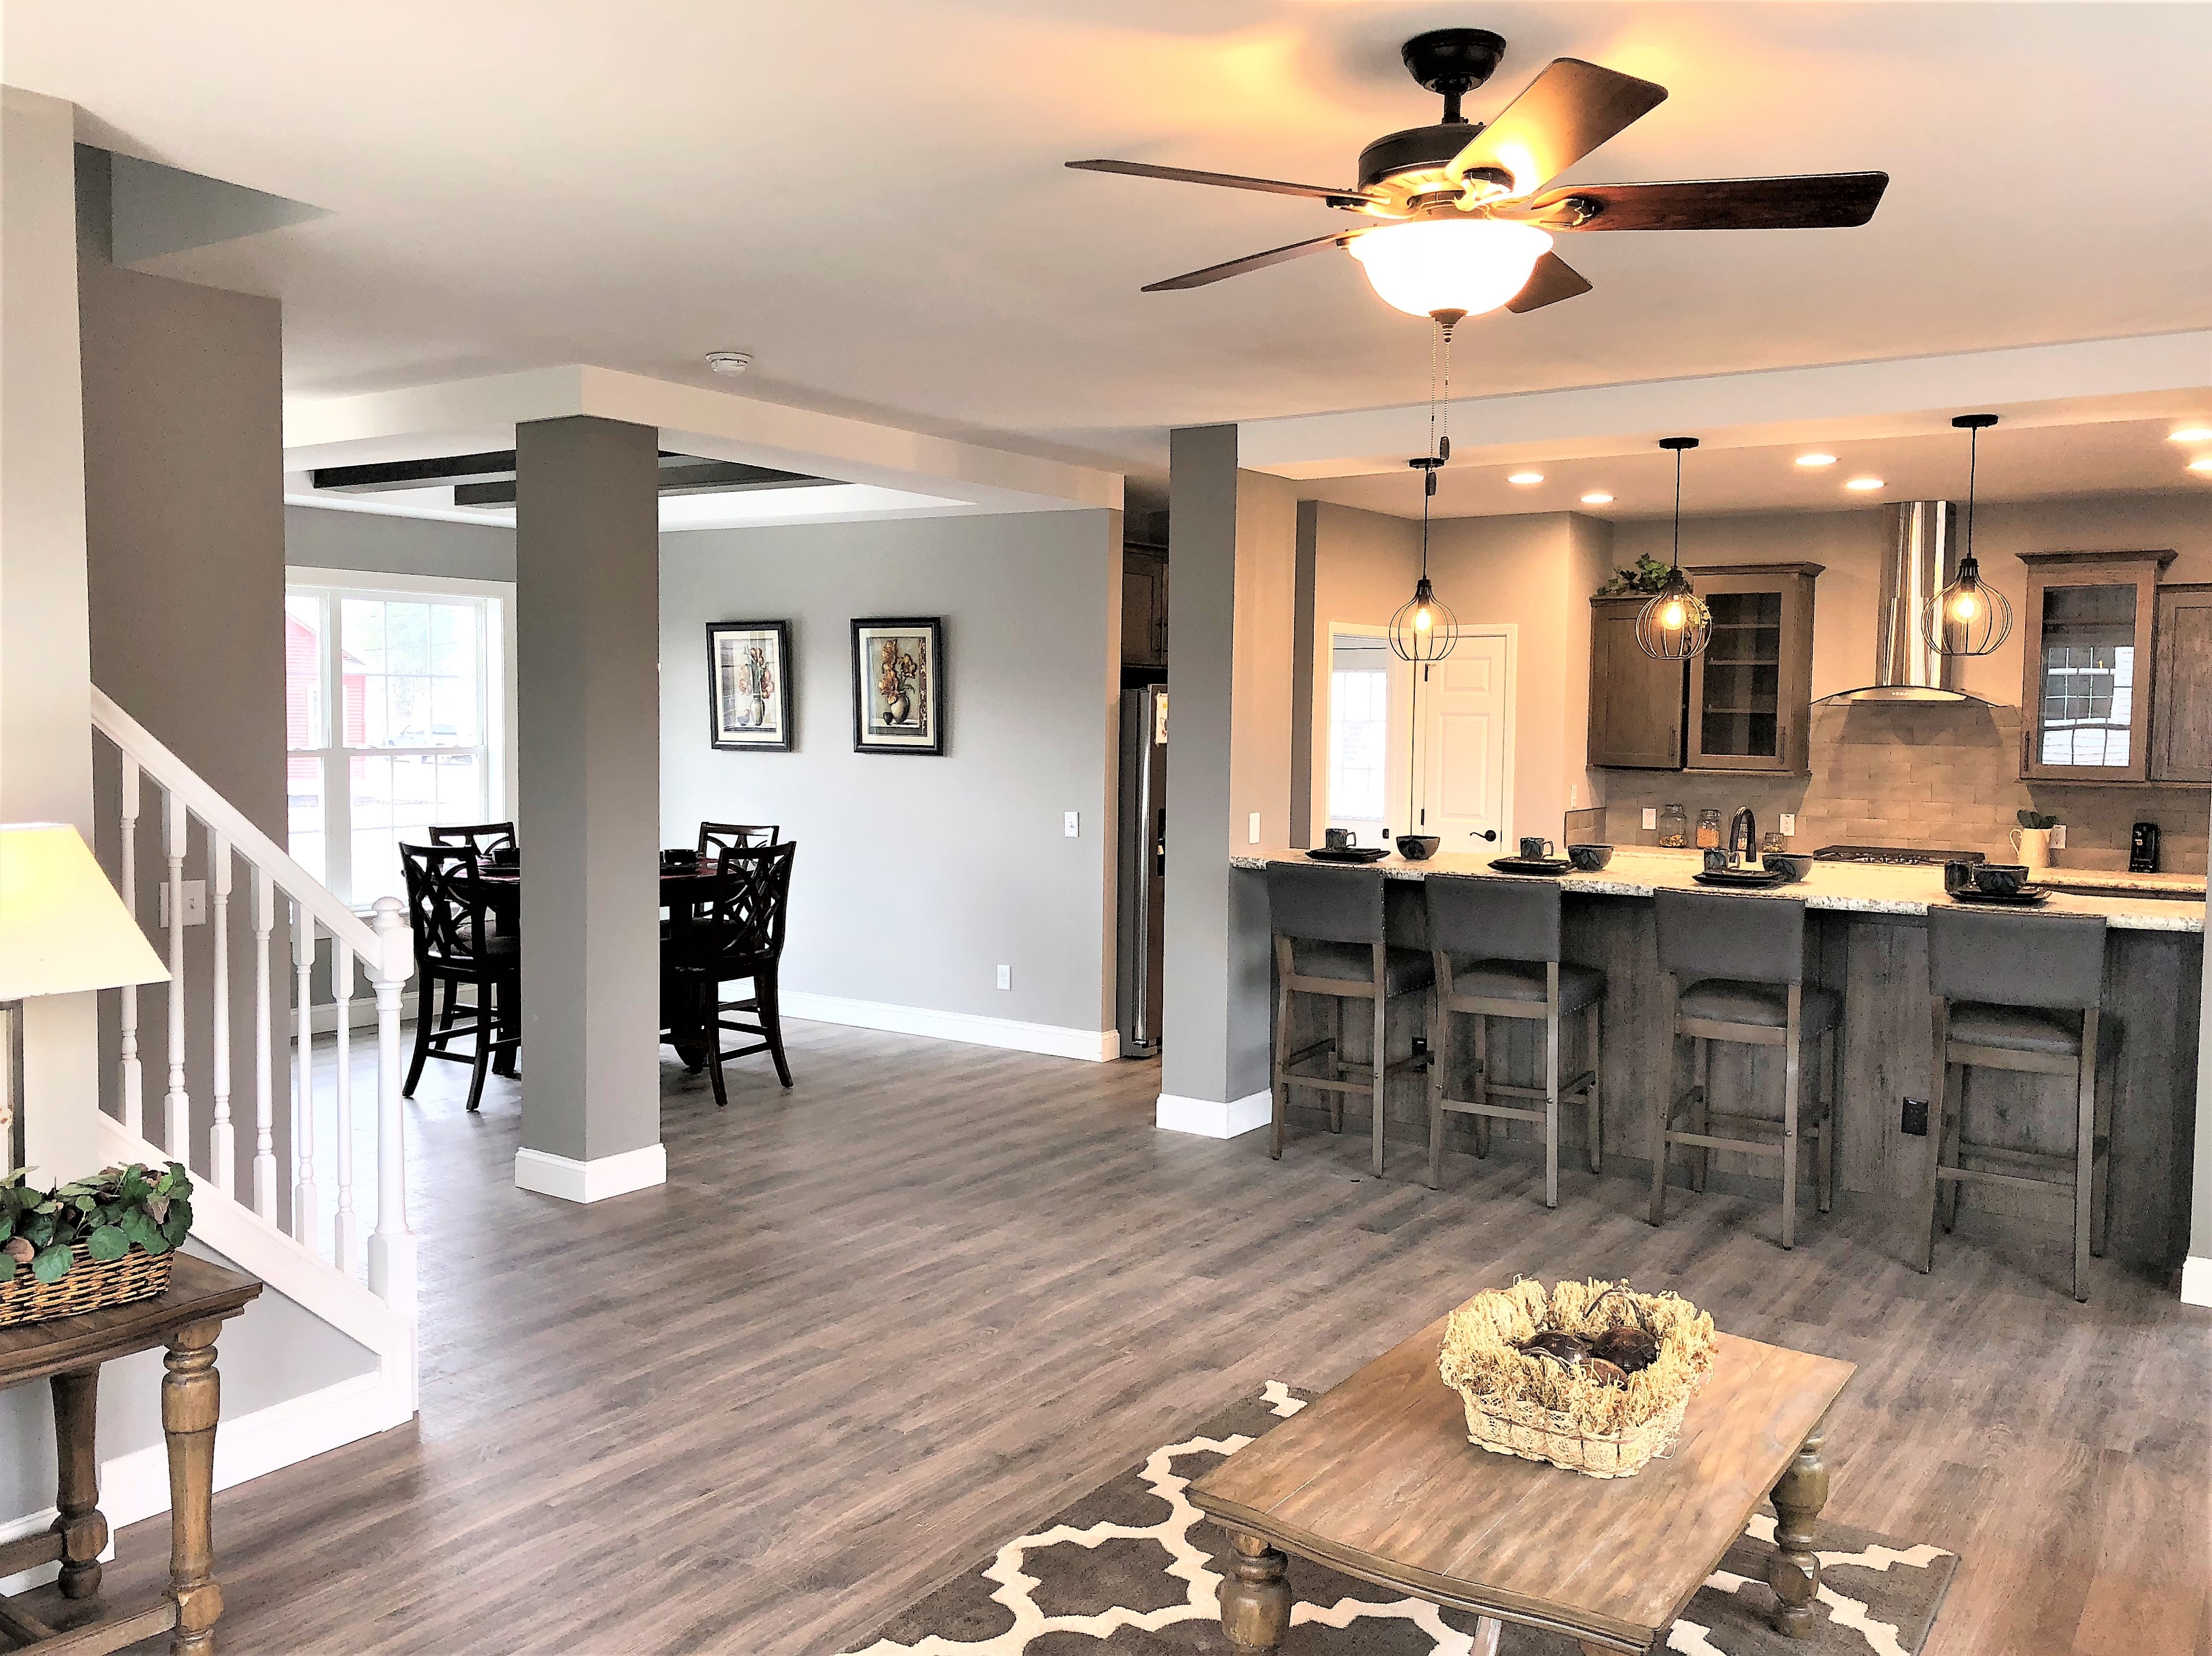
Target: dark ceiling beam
686	476
488	479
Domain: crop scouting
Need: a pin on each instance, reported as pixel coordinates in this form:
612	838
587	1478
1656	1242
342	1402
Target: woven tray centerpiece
1590	1376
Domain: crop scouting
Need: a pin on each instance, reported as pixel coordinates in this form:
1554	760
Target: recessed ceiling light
1863	484
2191	434
1526	477
1816	459
1597	497
2202	463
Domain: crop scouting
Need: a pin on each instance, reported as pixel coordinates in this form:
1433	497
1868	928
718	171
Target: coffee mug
1339	839
1716	861
1958	876
1534	849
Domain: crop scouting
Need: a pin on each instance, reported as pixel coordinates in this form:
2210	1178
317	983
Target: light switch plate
1254	833
1650	816
1789	822
1068	826
1005	977
195	903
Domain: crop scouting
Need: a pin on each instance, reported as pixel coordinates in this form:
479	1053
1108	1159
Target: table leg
1487	1630
82	1530
1792	1569
1255	1600
191	1402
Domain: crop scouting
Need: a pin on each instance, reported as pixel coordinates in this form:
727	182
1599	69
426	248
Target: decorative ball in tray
1590	1376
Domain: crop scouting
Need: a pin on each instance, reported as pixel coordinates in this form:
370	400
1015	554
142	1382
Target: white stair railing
382	951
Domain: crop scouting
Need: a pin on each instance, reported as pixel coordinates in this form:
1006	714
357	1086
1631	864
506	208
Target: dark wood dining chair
737	935
455	947
715	838
482	837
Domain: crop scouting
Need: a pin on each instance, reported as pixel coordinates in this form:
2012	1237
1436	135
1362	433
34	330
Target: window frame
495	676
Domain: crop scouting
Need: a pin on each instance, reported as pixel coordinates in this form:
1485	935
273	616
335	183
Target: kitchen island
1866	938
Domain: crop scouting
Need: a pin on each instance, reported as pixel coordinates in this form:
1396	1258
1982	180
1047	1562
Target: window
396	718
1358	728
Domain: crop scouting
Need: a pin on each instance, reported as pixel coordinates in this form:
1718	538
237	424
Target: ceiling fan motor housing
1404	164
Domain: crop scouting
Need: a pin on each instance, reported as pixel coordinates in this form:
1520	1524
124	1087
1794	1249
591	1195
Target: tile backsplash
1943	776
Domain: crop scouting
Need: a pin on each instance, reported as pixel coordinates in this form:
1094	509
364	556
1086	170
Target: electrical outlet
1789	822
1253	832
1005	977
1068	826
1914	1123
2058	836
1650	816
195	903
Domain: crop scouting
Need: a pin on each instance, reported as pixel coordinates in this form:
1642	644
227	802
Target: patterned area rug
1131	1570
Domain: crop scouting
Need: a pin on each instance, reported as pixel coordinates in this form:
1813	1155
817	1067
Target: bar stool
1739	970
1328	930
1497	950
2020	992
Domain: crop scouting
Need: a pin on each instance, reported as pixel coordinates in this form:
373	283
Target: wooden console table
1377	1479
69	1352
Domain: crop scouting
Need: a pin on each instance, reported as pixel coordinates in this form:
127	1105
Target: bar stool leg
2101	1170
1832	1088
1938	1103
1552	1088
1439	1065
1378	1054
1282	1087
1954	1115
1792	1062
1662	1114
2085	1152
1336	1063
1701	1059
1596	1129
1481	1084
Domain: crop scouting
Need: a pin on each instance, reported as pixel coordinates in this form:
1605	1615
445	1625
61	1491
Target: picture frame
898	685
749	699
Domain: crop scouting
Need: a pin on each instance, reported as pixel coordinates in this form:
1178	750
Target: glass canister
1673	827
1708	830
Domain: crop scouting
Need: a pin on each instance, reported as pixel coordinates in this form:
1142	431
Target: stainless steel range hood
1918	561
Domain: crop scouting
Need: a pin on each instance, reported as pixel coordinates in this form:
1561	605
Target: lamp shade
1470	264
62	929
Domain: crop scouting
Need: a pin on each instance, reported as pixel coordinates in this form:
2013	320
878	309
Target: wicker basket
89	1285
1518	1404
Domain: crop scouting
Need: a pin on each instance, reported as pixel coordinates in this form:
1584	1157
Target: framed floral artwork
748	692
898	685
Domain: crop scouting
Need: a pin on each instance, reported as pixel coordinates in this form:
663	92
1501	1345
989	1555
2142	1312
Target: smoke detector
729	362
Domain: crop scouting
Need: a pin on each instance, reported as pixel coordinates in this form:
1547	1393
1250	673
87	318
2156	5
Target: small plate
2025	897
1531	865
1348	853
1741	878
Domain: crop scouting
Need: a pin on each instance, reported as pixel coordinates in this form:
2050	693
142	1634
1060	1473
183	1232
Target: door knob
1485	833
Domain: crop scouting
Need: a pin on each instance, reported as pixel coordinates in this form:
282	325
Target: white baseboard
1054	1040
136	1485
2196	1283
591	1181
1209	1119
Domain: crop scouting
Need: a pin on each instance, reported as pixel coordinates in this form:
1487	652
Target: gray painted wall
324	537
916	877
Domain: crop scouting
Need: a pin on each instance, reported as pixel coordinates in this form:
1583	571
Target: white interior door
1467	746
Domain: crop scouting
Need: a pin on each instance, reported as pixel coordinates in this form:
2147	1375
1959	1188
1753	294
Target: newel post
392	1248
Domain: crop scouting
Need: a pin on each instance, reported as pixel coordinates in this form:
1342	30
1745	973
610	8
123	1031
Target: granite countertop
1855	887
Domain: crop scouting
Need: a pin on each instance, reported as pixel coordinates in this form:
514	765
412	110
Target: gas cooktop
1903	856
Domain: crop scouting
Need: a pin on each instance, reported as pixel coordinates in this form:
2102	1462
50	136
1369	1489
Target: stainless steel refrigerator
1144	843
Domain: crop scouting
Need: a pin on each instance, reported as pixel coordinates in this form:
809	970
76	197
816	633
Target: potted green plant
1647	576
105	1240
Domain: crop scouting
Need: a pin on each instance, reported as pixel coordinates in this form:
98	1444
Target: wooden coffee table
1378	1480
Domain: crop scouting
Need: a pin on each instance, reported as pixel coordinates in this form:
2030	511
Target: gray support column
2197	1270
1230	610
588	624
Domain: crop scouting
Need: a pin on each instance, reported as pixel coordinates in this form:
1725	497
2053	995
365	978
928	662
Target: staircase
324	1149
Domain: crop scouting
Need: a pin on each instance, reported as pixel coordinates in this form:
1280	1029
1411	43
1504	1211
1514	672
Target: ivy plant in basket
103	1240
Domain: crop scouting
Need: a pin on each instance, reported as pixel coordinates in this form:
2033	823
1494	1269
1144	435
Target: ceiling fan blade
1816	201
1552	280
1138	169
1561	116
1252	262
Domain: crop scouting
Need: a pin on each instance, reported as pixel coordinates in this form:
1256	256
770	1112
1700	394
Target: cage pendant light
1424	629
1969	617
1675	623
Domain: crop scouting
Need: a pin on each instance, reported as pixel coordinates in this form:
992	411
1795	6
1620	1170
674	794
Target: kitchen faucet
1743	836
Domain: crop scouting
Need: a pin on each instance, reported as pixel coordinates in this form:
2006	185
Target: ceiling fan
1466	221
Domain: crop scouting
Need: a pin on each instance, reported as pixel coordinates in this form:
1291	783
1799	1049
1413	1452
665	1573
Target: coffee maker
2142	848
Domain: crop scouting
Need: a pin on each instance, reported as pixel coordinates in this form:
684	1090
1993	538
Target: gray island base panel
1865	937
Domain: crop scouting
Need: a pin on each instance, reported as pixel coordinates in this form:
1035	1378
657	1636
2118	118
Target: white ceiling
869	196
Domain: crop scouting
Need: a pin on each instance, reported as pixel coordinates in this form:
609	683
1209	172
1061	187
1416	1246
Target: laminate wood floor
873	1327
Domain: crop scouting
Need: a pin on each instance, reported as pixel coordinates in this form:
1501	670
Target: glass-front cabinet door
1751	687
2085	702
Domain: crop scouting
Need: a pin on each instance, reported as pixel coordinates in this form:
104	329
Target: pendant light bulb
1969	617
1424	629
1674	622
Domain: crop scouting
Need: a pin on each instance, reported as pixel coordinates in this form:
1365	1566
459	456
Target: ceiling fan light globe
1470	266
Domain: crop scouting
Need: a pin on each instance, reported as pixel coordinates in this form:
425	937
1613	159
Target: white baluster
305	1217
132	1082
176	1103
348	1239
222	1137
391	1250
264	1057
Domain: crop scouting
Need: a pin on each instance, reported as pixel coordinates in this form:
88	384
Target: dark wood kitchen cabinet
1636	704
1143	606
2088	630
2181	686
1751	689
